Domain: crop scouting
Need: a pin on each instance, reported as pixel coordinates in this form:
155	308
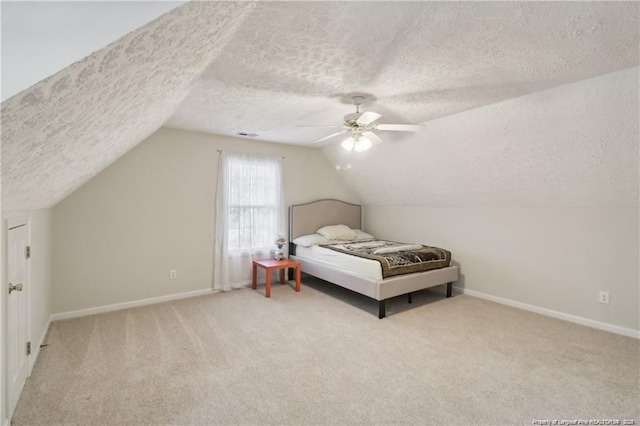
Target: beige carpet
319	358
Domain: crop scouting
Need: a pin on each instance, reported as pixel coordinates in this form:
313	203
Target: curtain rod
219	150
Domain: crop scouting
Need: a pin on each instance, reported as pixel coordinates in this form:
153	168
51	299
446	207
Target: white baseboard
555	314
126	305
36	352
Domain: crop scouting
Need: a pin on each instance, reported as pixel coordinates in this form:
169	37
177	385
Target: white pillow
337	232
363	236
310	240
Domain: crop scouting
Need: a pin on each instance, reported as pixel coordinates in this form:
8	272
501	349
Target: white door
17	336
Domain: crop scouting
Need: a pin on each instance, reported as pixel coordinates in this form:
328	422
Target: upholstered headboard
305	219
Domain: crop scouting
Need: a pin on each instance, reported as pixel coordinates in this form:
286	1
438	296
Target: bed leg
381	309
449	289
410	301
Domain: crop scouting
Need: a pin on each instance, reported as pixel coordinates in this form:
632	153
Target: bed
306	219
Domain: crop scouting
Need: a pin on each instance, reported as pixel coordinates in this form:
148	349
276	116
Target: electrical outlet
603	297
173	274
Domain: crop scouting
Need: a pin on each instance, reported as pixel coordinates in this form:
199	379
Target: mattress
357	265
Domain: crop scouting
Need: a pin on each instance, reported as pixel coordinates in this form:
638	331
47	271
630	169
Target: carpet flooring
322	357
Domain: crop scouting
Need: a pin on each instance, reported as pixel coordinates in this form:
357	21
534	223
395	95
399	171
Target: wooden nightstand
273	264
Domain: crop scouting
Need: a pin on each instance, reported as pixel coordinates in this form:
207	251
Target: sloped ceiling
64	130
296	63
72	30
226	67
574	146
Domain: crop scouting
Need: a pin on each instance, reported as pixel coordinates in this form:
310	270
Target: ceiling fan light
349	143
362	144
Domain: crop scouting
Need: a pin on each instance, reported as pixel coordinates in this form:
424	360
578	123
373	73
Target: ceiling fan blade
368	117
400	127
330	136
372	137
322	126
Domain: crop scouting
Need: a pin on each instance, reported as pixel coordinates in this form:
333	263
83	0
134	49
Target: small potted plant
280	253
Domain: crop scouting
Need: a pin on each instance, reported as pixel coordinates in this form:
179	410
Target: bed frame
307	218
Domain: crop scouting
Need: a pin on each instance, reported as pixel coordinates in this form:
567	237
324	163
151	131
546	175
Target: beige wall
557	259
117	237
537	197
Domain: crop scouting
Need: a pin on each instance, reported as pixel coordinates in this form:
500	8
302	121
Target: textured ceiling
225	67
72	30
574	146
293	63
64	130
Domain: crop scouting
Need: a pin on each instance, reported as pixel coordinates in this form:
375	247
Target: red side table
273	264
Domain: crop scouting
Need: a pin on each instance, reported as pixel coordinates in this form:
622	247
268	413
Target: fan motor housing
350	119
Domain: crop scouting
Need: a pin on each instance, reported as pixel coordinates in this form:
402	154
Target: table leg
282	275
298	278
268	282
254	282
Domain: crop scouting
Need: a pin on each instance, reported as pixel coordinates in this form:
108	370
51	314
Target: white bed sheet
357	265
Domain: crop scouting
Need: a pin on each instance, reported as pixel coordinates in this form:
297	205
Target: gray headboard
305	219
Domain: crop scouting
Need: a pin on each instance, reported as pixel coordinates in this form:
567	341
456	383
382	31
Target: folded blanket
396	258
396	249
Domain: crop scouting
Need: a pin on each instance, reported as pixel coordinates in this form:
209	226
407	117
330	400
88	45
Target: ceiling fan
361	126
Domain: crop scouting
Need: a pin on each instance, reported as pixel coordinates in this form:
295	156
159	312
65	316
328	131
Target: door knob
15	287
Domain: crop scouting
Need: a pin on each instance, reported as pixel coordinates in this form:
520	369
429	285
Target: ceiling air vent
247	135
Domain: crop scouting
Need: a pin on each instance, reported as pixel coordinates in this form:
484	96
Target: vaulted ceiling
41	38
265	68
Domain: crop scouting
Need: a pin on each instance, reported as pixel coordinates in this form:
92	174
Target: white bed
356	265
360	275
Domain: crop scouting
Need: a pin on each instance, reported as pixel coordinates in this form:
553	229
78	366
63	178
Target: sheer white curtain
249	215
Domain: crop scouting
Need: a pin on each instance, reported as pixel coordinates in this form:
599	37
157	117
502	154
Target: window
254	198
249	215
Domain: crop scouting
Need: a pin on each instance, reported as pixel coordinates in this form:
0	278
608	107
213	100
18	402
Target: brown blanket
396	258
